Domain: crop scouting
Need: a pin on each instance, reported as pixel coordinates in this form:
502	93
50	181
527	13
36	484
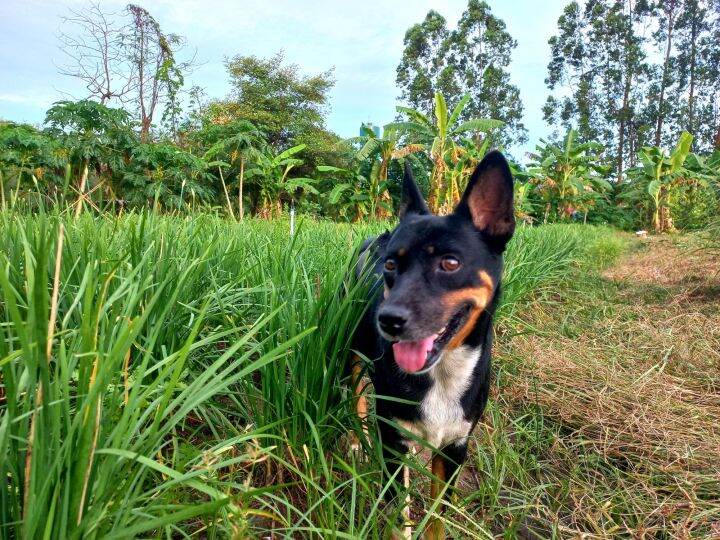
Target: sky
361	39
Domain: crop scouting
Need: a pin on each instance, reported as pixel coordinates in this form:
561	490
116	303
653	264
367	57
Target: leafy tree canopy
470	60
287	106
275	97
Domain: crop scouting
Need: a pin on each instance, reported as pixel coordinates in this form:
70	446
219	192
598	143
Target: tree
598	68
691	26
92	42
682	94
127	58
238	142
710	108
157	75
275	97
669	10
569	67
634	73
470	60
624	66
423	70
439	134
98	139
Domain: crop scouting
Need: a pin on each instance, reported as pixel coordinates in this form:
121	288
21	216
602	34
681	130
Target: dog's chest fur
442	418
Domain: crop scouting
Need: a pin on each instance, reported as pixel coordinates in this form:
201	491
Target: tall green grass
184	376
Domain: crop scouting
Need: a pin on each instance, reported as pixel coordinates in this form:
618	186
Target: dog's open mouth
414	356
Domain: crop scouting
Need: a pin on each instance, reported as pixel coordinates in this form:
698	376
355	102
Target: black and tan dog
428	330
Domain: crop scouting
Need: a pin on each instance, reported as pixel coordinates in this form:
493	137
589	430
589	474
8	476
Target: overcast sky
361	39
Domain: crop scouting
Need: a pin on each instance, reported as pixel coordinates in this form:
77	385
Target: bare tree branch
92	42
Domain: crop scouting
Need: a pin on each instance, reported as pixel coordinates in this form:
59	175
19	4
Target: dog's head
441	272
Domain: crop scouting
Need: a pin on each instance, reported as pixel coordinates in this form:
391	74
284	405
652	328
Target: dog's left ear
411	200
488	200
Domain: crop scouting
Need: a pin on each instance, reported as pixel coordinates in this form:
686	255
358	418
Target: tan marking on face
479	297
430	249
386	291
402	252
464	332
486	279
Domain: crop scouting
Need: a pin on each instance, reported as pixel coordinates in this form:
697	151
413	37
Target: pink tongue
411	355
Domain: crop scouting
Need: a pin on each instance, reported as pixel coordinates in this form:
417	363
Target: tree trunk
227	197
691	96
666	66
436	185
241	209
621	128
81	194
626	101
666	222
145	128
381	210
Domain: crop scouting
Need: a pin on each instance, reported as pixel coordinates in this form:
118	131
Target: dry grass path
607	423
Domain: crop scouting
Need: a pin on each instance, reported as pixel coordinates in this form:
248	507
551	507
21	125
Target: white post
292	217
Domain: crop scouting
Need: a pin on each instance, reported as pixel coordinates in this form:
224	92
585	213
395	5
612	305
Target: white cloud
28	99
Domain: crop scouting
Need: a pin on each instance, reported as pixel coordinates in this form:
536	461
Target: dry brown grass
627	367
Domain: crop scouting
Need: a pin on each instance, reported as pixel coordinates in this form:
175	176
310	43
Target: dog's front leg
444	466
361	406
395	472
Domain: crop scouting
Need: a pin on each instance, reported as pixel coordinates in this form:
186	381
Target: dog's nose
392	319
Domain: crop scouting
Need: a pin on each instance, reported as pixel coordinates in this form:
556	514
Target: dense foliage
265	146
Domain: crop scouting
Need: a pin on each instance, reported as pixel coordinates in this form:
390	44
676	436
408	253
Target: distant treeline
627	80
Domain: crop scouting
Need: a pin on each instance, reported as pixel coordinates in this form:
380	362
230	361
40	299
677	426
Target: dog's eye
390	265
449	264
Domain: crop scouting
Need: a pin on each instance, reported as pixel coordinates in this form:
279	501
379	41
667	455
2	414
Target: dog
435	285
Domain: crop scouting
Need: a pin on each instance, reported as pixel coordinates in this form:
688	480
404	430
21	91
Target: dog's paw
355	448
405	533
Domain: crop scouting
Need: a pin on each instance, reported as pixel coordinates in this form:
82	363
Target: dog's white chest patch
442	419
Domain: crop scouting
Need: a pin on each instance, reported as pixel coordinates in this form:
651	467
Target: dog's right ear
488	200
411	201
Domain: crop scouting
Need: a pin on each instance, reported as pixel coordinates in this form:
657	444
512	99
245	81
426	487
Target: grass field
173	377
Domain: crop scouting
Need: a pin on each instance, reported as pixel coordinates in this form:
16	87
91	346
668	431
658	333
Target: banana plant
463	159
272	174
657	177
568	177
440	135
382	150
349	195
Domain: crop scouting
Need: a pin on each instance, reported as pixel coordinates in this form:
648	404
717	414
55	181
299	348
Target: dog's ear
488	200
411	201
